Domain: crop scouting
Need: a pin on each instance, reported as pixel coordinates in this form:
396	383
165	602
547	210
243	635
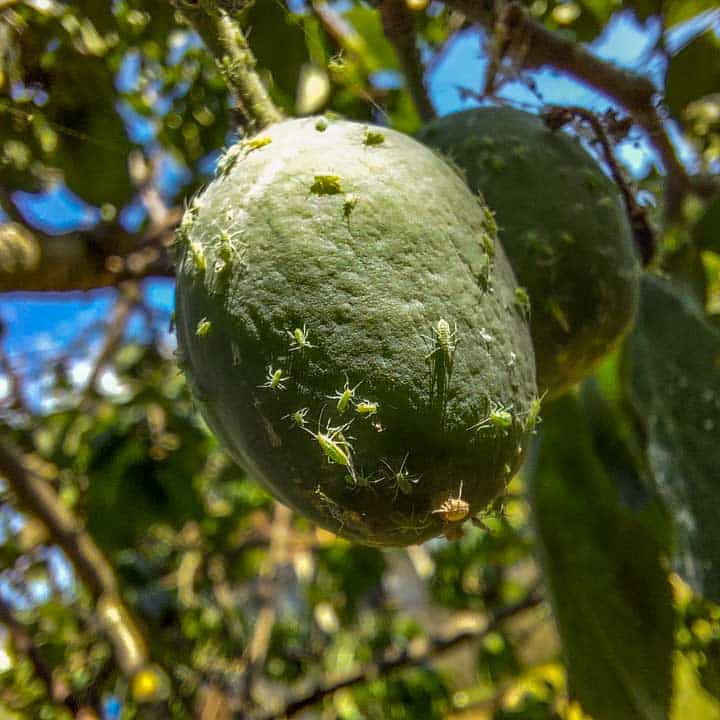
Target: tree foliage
144	575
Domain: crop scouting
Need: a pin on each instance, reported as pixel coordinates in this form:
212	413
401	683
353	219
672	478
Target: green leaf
693	72
602	564
269	28
377	53
677	11
674	363
706	234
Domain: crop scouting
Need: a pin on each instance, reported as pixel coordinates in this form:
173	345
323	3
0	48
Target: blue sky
40	328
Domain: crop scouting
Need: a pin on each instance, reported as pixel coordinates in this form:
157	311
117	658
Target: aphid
275	380
326	185
348	206
532	419
360	480
197	256
335	446
499	420
299	339
522	302
203	327
297	417
344	396
372	137
404	524
332	507
454	509
401	480
321	125
441	358
366	408
257	143
228	159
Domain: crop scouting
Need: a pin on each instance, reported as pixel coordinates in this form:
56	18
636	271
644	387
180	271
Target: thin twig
413	656
643	232
57	691
256	651
16	396
533	46
39	498
399	28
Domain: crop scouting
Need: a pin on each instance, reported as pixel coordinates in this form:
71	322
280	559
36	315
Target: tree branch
223	37
256	650
533	46
58	692
399	28
38	497
31	261
643	232
413	656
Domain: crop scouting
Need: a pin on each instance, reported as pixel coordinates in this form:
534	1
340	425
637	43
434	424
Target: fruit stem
223	37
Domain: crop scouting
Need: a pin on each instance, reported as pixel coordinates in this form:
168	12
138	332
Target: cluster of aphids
332	439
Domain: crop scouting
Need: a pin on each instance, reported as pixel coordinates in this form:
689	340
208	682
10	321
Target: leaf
693	72
601	561
270	27
706	234
673	356
377	53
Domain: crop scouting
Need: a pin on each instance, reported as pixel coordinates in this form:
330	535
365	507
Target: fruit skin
563	225
320	261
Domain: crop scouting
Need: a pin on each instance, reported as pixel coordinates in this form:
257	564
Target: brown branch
643	232
256	651
16	396
533	46
57	691
38	498
32	261
399	28
116	325
413	656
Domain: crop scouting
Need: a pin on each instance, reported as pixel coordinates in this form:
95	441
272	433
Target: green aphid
366	408
326	185
203	327
401	480
373	137
275	380
522	302
349	205
335	446
532	419
198	258
498	420
257	143
321	125
344	396
299	339
298	417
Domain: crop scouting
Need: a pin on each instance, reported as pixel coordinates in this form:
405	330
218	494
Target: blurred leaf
609	591
674	361
690	700
693	72
370	42
270	26
706	234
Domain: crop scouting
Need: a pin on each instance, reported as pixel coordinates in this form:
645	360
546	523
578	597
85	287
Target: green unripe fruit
564	228
347	322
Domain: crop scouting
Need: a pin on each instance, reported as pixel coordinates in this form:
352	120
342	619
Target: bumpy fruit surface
348	324
563	226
